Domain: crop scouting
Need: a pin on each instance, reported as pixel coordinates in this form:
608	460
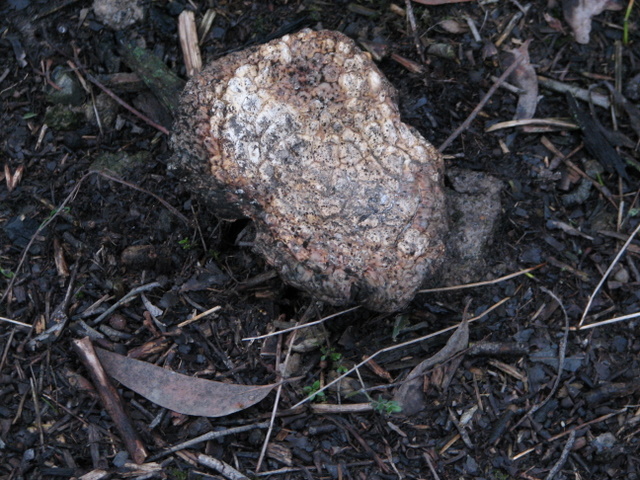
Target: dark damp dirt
494	410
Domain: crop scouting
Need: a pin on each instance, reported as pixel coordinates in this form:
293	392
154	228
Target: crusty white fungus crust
303	135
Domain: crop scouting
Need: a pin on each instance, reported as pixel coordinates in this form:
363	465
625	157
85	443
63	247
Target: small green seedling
312	392
7	273
329	354
385	406
185	243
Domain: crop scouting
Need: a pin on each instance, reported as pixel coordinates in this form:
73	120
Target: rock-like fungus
303	135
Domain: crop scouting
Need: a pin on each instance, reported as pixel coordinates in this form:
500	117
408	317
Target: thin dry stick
221	467
274	410
332	408
276	403
125	299
206	437
480	105
414	29
15	322
395	347
432	467
481	284
609	321
199	316
298	327
580	93
562	353
124	104
563	457
606	274
7	346
567	432
166	204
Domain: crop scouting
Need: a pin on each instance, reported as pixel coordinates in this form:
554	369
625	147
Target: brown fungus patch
303	135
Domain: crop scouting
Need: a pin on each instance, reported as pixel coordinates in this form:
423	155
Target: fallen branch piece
111	400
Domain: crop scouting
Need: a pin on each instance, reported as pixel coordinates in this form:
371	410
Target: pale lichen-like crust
303	135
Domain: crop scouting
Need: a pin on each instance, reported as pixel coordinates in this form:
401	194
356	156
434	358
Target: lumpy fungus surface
303	135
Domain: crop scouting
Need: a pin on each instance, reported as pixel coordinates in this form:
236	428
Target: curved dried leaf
409	395
181	393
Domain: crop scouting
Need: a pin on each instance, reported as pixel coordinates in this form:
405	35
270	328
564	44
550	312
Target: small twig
298	327
305	470
481	284
562	353
567	432
580	93
480	105
36	408
363	443
276	404
473	29
281	371
414	29
608	322
167	205
432	467
111	400
7	346
188	35
606	274
206	437
563	458
559	123
332	408
221	467
199	316
15	322
121	102
511	25
125	299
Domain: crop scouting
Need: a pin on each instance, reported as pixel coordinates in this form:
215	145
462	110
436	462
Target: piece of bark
188	34
154	73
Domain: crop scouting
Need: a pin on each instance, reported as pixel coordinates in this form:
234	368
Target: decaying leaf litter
586	422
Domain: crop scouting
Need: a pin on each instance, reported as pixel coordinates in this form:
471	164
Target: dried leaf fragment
578	14
13	179
409	395
524	77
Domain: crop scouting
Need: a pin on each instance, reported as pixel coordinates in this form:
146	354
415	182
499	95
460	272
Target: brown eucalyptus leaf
181	393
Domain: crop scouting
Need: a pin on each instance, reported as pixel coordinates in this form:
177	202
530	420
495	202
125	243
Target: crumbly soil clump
303	135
